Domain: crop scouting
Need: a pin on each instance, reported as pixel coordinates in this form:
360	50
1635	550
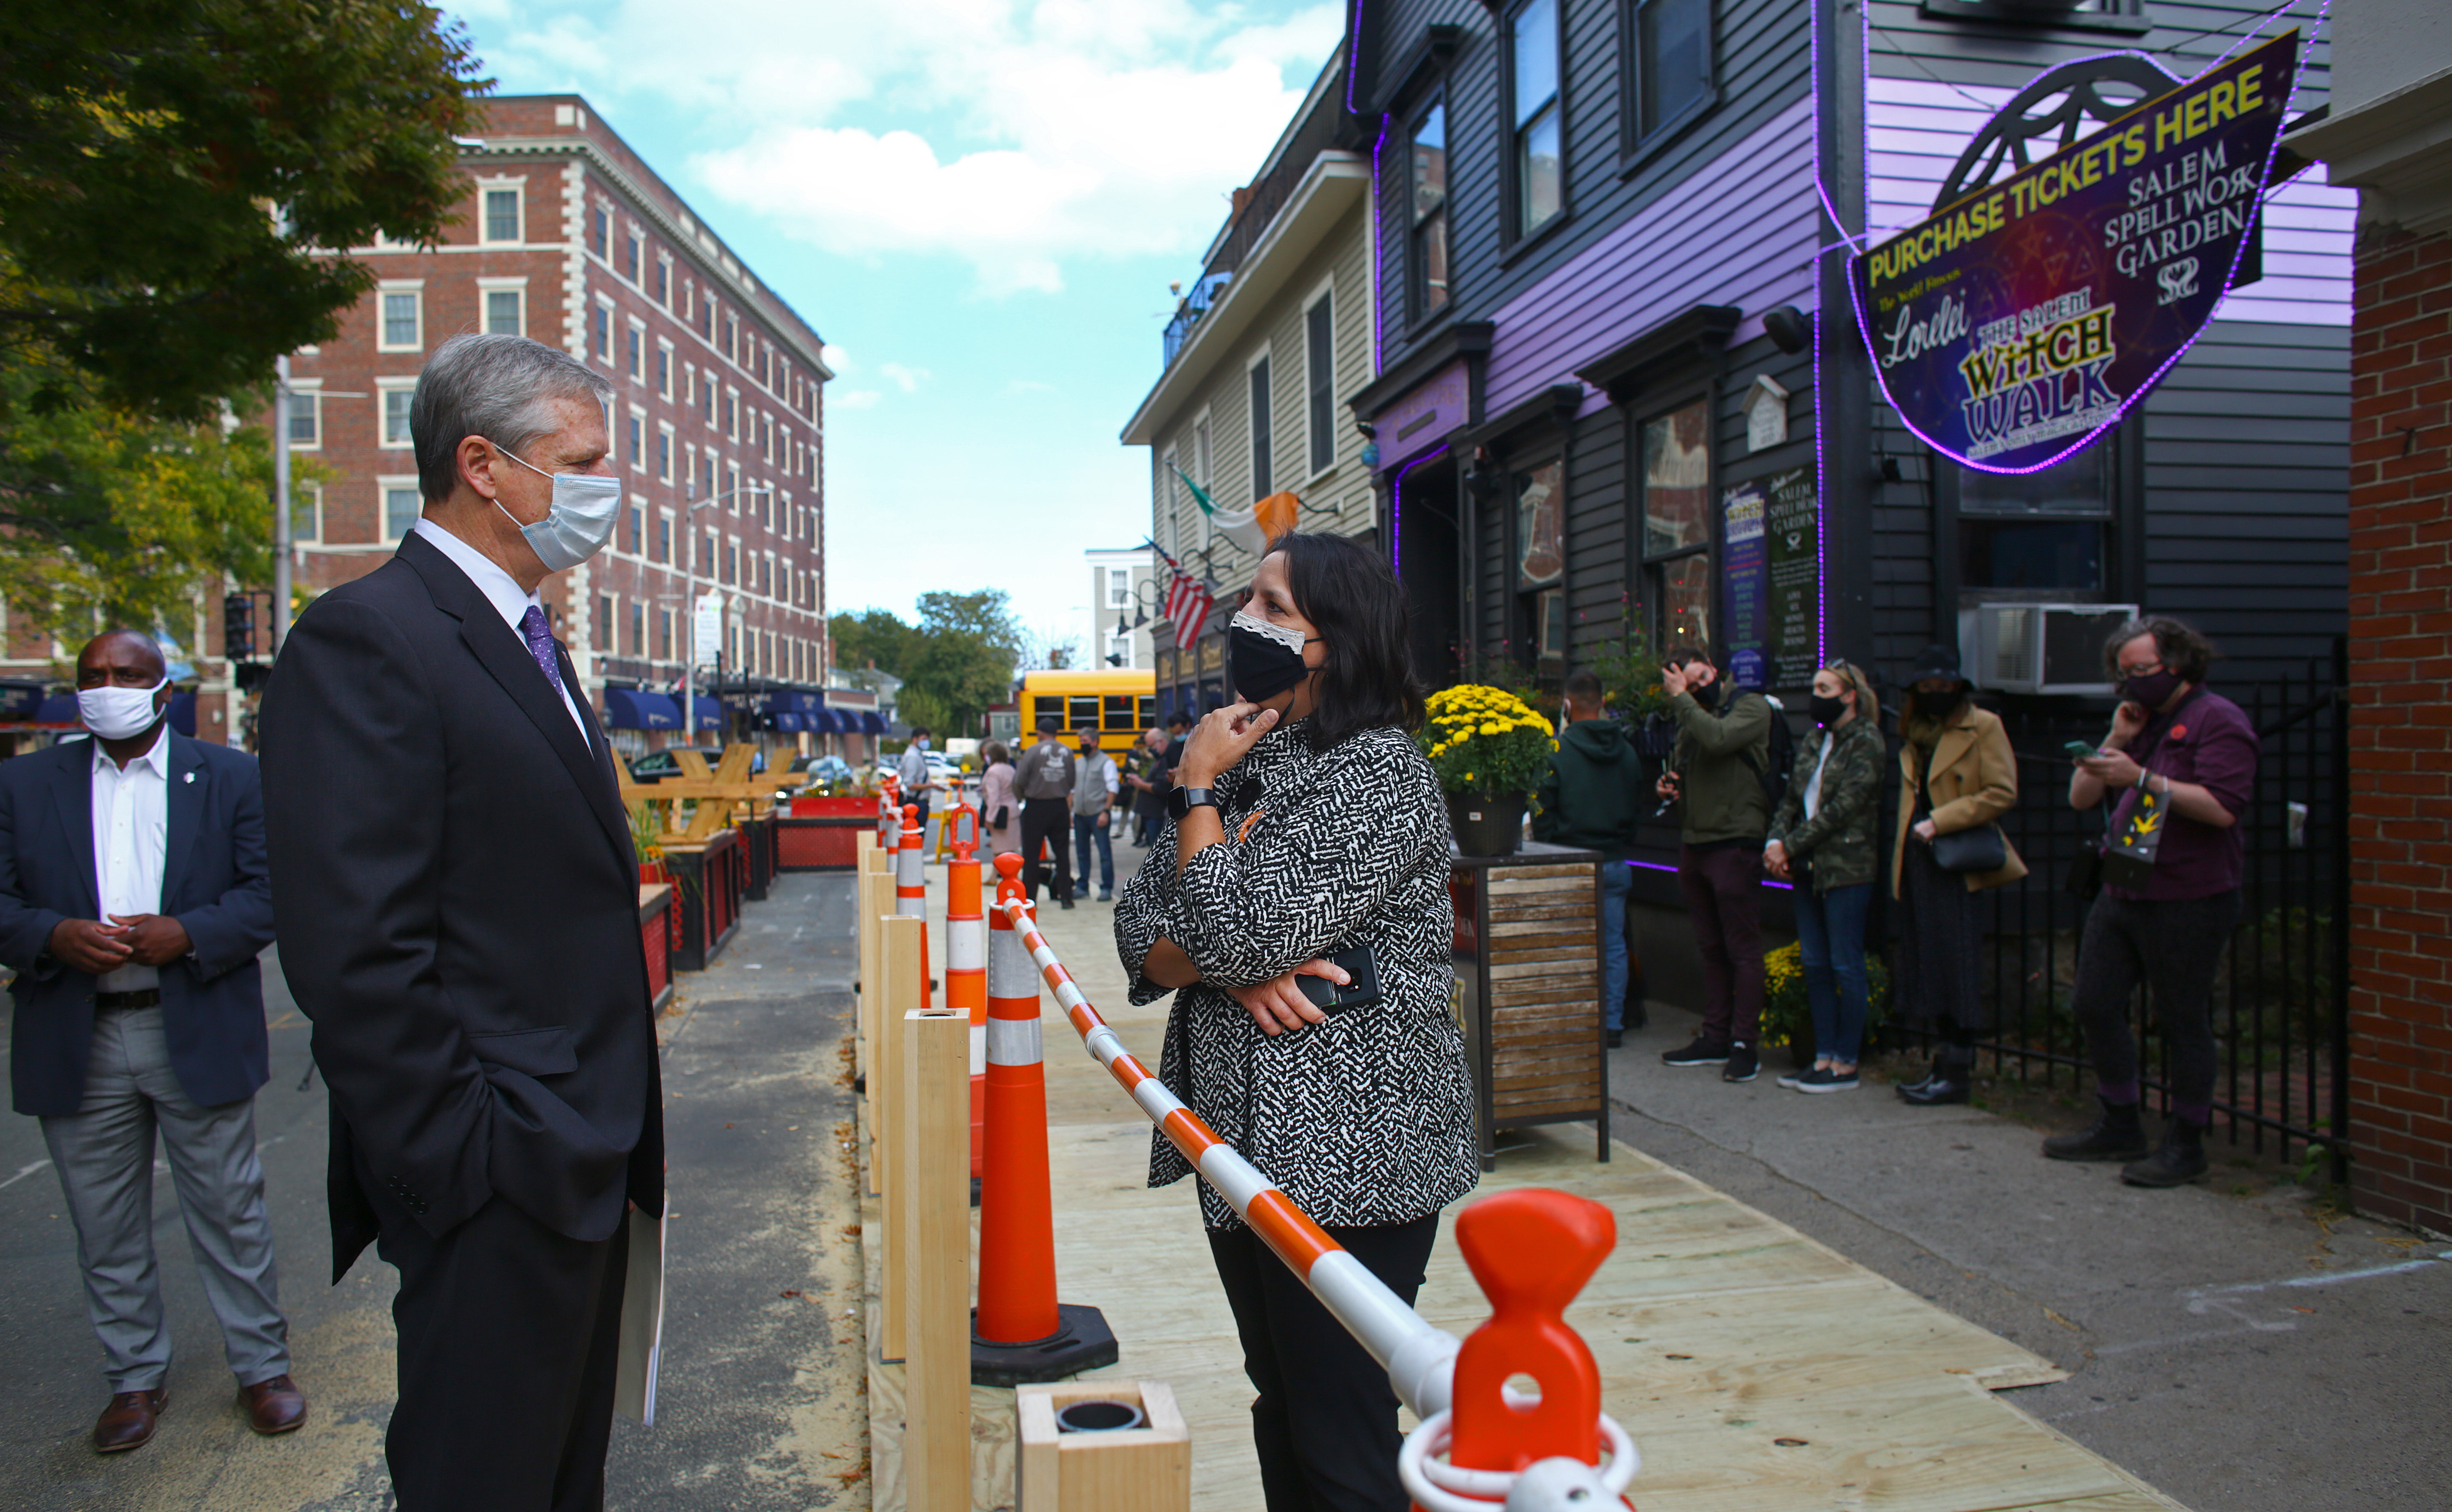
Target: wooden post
899	941
872	897
1143	1469
933	1167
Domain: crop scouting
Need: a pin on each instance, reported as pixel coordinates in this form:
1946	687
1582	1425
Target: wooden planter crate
1527	965
656	938
709	876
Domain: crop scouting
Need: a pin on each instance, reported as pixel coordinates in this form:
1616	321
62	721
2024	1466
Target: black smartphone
2081	750
1361	991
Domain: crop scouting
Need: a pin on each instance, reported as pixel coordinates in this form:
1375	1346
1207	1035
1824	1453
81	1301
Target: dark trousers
1723	889
1325	1419
2174	948
507	1337
1047	821
1939	954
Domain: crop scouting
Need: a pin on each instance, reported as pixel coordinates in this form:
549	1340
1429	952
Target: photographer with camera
1715	778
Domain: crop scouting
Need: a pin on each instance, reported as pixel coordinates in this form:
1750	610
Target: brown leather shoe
274	1407
129	1421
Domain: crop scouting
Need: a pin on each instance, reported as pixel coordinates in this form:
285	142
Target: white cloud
838	397
1017	137
906	379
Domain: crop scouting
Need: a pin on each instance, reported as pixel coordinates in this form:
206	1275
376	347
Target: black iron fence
2281	995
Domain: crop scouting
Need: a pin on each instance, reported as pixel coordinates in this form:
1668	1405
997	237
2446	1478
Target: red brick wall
2401	761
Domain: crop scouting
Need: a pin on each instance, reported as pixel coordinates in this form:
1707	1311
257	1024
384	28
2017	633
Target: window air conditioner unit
2042	648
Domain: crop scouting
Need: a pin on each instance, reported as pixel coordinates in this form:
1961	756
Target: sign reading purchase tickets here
2018	323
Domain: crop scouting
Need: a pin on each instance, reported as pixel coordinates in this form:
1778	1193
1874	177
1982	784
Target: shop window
1669	68
1677	499
1263	474
1425	269
1535	116
2039	534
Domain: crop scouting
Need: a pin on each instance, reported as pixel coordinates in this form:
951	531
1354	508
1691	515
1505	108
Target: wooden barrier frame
900	938
1143	1469
933	1170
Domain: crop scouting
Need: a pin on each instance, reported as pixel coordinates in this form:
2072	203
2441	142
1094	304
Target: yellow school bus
1118	703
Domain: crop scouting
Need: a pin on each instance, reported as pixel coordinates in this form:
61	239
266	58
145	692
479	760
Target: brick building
567	236
2392	71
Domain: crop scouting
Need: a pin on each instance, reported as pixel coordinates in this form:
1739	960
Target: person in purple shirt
2195	751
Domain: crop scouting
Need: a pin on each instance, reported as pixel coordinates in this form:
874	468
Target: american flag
1188	599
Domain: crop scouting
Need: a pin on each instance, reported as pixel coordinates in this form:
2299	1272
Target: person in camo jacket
1822	841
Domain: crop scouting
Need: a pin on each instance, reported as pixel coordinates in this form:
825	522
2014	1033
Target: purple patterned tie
541	645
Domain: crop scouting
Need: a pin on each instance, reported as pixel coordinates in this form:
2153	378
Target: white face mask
115	714
580	522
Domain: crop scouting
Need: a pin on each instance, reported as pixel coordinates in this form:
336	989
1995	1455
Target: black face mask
1938	705
1705	694
1826	710
2152	689
1266	658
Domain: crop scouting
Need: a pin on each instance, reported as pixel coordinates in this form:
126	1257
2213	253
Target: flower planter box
708	877
1528	969
656	939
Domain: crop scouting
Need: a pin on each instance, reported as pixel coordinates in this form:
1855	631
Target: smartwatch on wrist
1180	802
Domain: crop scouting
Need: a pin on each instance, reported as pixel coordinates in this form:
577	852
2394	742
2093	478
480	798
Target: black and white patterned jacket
1364	1119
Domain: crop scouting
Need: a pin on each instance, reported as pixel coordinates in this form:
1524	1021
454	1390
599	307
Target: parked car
828	769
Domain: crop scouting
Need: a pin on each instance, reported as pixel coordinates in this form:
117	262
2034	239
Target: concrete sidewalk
2243	1355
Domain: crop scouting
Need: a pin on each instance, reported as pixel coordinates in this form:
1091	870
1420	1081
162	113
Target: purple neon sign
2018	325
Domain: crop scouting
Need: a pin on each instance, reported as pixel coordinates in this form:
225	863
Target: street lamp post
692	504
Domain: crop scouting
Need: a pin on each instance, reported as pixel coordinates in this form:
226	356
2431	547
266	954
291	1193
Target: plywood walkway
1756	1369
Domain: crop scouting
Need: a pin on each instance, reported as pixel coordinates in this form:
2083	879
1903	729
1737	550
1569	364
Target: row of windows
1319	412
719	558
753	354
770	655
1667	78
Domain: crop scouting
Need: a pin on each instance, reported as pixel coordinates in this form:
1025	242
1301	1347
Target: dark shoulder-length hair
1357	606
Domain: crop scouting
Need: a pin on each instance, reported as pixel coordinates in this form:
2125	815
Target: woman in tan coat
1956	773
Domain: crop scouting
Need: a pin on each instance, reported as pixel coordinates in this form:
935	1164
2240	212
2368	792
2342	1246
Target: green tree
107	518
963	658
876	635
144	149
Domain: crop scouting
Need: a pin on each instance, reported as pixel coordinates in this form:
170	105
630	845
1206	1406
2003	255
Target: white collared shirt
501	590
130	822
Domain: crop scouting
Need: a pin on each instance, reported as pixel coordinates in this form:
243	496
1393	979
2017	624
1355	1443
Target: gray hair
2177	645
501	387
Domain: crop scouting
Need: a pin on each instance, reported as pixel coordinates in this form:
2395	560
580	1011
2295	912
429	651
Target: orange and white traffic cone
1020	1332
911	891
966	975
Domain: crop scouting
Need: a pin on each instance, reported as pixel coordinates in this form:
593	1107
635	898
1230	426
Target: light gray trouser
105	1154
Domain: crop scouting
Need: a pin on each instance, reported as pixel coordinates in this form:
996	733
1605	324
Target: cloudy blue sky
979	203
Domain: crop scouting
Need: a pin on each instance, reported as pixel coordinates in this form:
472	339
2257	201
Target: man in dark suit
133	902
458	902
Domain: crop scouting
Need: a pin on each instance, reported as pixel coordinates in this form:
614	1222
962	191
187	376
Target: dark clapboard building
1622	392
1620	387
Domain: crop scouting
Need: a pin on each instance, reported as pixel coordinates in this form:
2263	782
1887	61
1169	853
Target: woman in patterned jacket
1307	824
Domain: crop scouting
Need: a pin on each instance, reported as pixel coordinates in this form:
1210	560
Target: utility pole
691	504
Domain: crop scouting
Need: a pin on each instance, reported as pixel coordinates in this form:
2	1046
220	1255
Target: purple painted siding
1739	230
1915	128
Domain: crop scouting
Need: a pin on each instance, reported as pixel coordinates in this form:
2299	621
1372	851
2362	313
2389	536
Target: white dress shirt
501	590
131	819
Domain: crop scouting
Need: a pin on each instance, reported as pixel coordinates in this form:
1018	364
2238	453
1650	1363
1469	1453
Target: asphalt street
760	1405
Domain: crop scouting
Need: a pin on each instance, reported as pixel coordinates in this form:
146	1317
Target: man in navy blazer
459	908
133	902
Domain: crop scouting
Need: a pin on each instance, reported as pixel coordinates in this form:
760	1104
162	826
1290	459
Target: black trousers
1048	819
1325	1419
507	1337
2174	947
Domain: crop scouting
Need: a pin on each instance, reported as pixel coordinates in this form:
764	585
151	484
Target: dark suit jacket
459	912
213	882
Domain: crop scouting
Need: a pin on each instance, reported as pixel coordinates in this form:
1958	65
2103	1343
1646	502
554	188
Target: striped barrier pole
911	891
1429	1370
889	812
967	974
1020	1332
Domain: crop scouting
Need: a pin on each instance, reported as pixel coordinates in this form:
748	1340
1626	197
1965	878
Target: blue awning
871	723
840	721
789	723
710	714
632	709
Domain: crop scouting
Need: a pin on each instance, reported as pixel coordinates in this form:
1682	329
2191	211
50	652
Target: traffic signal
238	627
